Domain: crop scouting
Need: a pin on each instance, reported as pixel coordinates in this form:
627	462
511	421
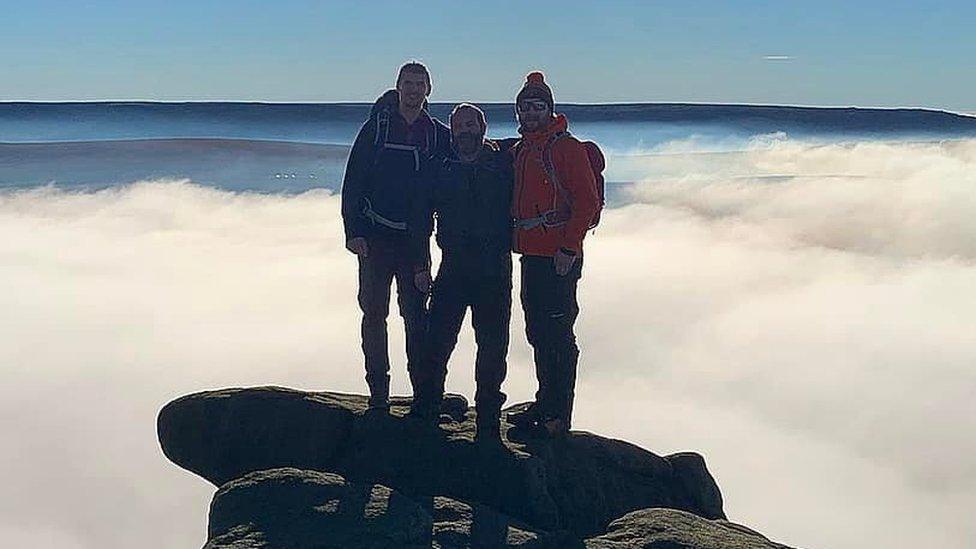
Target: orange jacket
535	195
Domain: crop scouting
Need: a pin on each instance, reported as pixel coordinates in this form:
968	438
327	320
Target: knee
374	307
414	314
374	320
561	326
535	324
491	334
415	324
554	331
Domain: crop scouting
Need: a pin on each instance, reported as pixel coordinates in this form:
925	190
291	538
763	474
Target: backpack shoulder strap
548	165
508	144
442	138
382	121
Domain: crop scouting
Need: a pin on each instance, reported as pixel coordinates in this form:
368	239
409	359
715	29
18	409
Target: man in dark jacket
471	195
386	167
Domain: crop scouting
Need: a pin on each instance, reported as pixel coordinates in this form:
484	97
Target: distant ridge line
233	119
666	104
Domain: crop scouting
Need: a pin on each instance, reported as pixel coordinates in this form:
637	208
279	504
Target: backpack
380	115
598	163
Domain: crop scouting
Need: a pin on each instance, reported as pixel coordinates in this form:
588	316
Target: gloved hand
563	261
421	279
358	246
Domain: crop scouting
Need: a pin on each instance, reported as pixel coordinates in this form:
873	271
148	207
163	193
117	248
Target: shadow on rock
294	508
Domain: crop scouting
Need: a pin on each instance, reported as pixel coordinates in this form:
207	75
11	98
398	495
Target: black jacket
472	204
384	173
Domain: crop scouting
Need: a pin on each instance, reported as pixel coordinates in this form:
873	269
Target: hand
421	279
564	262
358	246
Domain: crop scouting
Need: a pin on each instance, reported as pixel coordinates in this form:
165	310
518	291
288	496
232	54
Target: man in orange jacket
554	201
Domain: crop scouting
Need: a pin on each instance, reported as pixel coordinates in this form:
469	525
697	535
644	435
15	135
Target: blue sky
868	53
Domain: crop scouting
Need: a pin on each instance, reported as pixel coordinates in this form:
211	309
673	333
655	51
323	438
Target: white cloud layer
802	315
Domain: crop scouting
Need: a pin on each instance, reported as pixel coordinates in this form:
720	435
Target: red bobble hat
535	87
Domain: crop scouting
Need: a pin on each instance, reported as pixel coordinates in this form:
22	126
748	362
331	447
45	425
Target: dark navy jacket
387	166
472	204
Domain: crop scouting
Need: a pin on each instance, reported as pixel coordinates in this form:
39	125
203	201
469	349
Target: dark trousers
388	260
485	285
550	306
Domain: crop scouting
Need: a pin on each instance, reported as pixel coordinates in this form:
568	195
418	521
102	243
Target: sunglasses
529	105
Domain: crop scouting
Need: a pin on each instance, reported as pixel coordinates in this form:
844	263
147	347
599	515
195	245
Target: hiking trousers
388	260
550	306
470	279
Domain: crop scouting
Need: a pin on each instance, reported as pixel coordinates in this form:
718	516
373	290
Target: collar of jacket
488	149
559	124
390	100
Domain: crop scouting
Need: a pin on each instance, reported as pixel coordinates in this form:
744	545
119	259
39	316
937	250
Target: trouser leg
447	307
413	309
533	298
566	351
375	278
551	309
491	315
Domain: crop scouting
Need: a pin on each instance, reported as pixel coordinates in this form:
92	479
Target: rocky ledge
313	470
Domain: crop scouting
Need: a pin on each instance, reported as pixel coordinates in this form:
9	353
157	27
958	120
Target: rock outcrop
294	508
302	470
674	529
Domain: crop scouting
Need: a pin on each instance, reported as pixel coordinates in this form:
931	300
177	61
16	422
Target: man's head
534	105
468	127
413	83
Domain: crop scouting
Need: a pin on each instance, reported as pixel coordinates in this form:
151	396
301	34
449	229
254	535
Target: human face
533	114
467	132
413	89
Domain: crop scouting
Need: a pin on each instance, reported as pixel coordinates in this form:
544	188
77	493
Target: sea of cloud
803	315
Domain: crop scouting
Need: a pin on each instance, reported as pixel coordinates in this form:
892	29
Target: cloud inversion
802	315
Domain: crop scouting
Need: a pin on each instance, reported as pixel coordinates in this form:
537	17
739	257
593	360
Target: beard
530	123
468	143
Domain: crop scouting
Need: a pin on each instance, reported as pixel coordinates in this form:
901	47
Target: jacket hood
390	100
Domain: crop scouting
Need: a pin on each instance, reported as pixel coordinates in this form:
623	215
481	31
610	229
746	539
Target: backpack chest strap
408	148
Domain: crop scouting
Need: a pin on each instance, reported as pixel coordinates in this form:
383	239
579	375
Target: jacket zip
518	203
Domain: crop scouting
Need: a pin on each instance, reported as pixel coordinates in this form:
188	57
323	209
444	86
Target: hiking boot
526	433
532	414
556	427
487	421
377	410
378	400
487	427
423	413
